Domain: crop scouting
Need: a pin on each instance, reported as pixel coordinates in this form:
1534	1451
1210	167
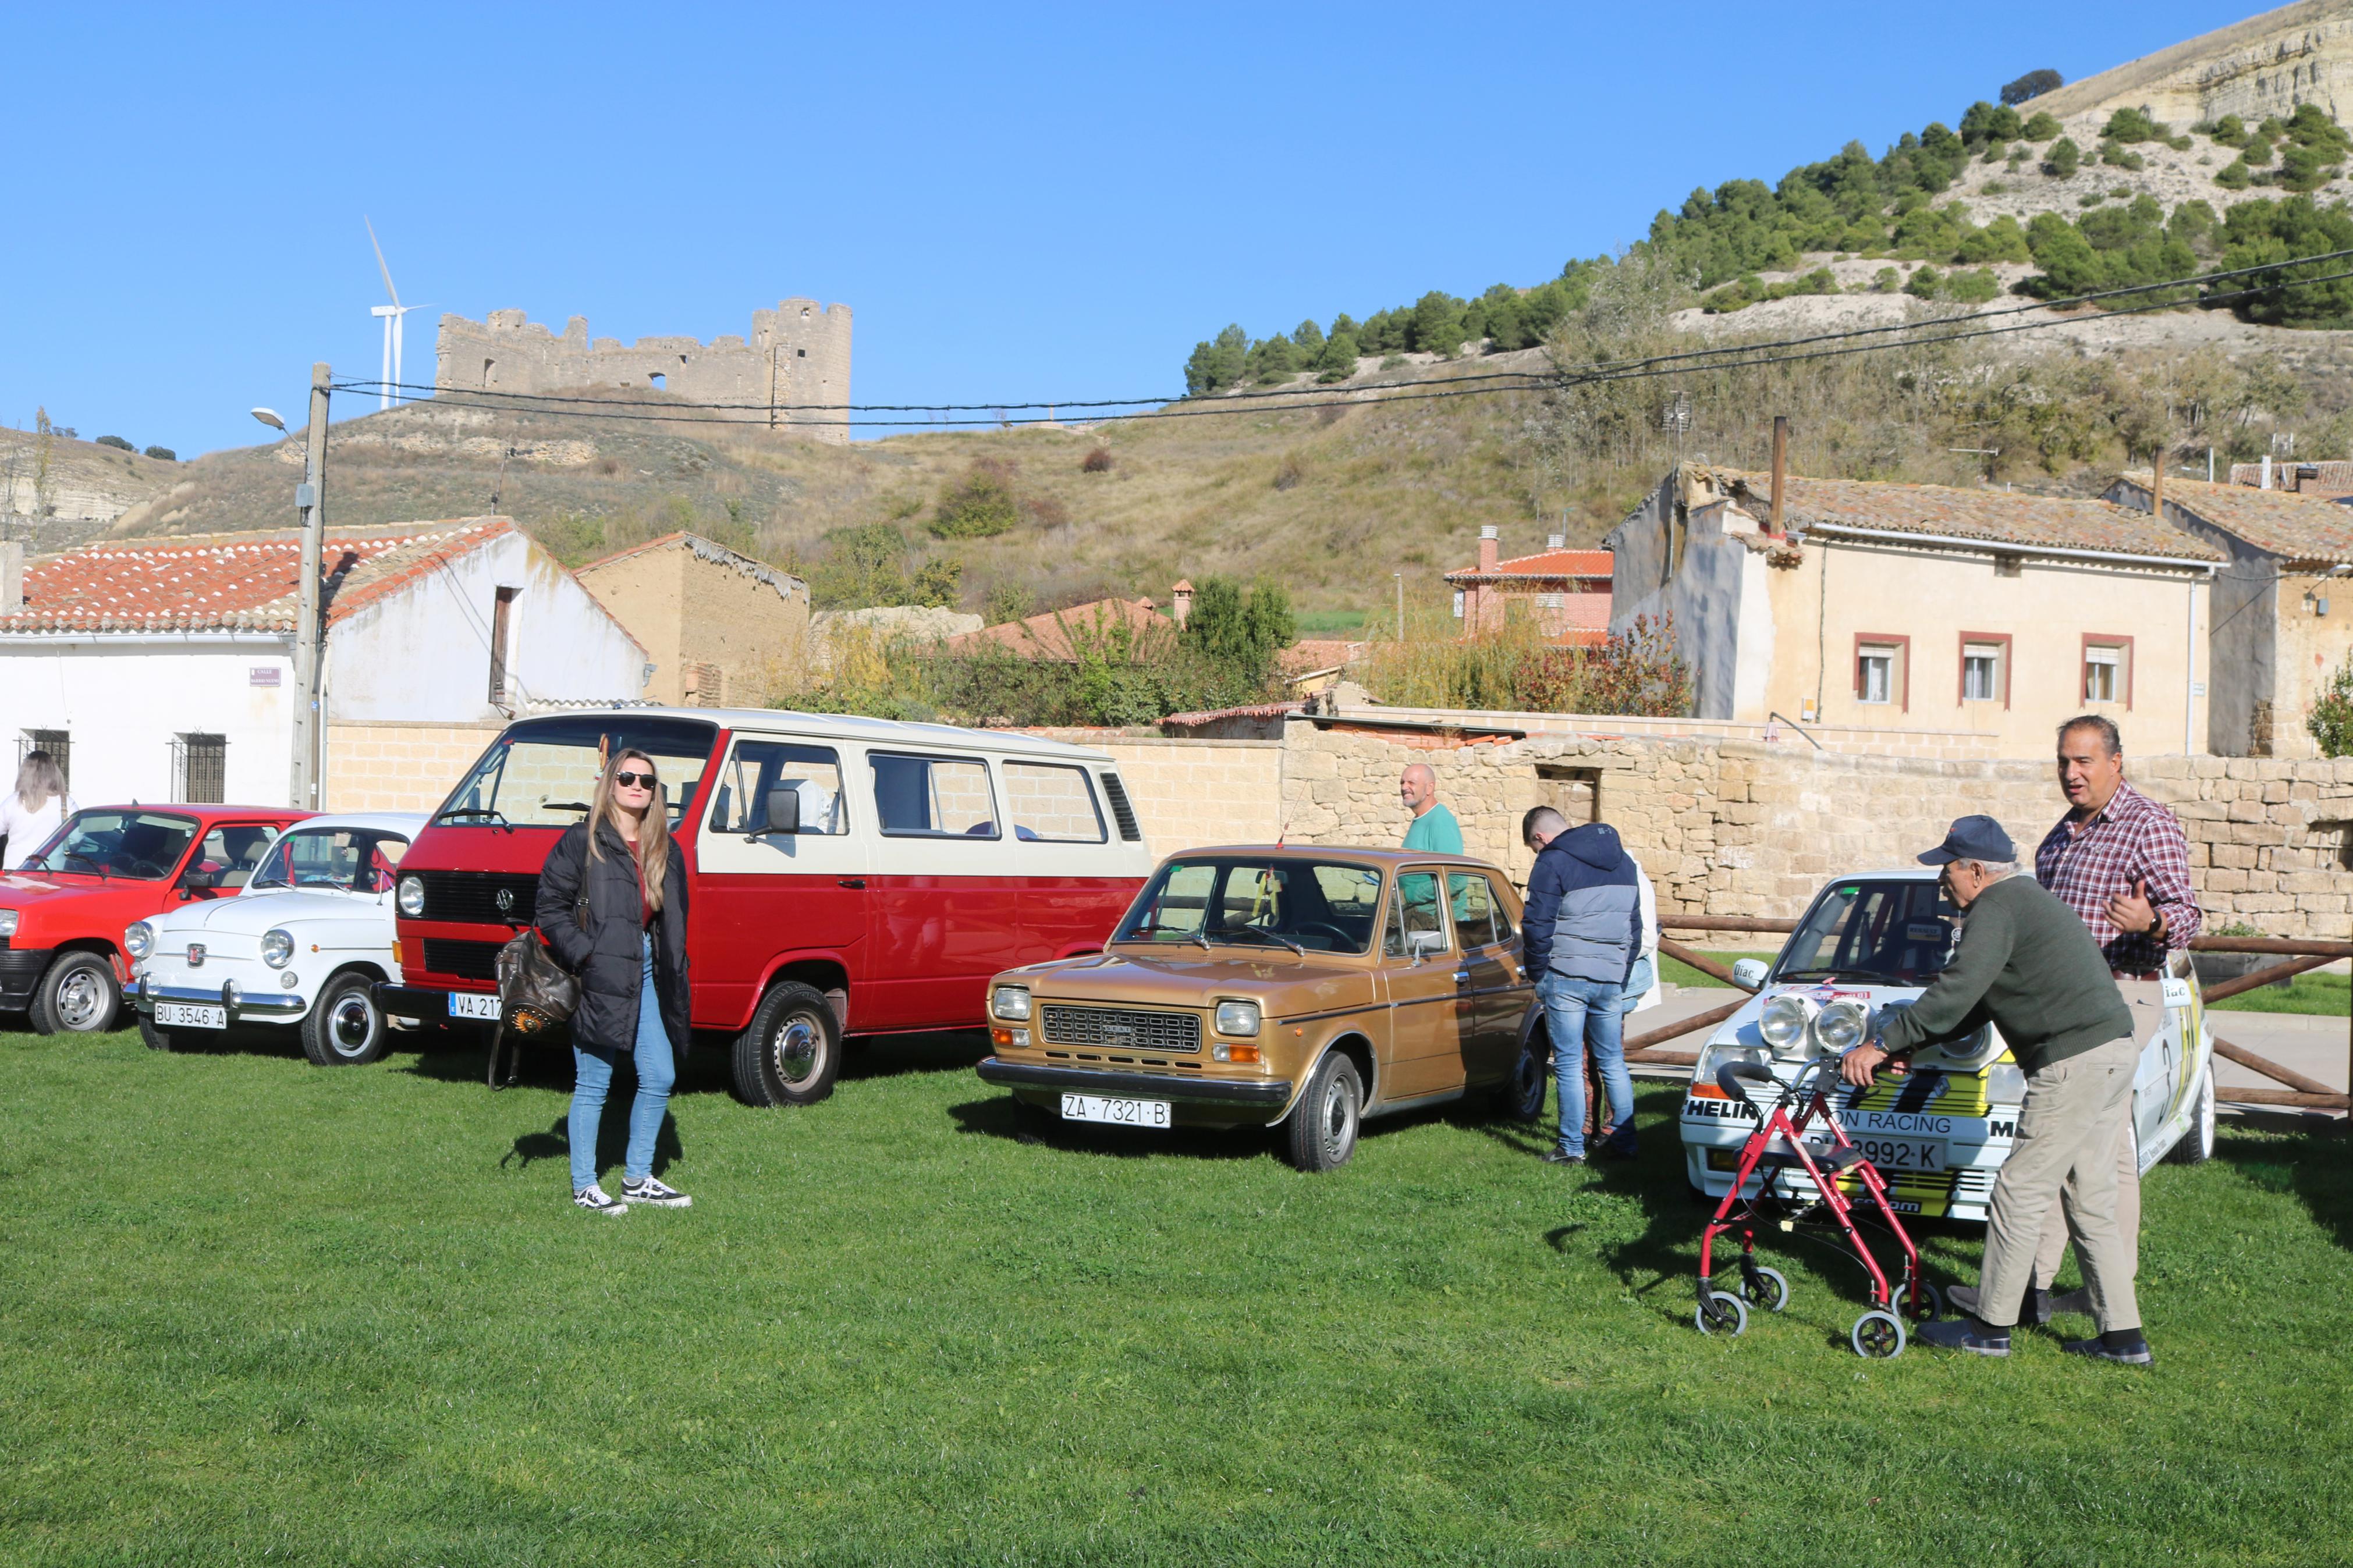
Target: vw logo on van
195	955
504	898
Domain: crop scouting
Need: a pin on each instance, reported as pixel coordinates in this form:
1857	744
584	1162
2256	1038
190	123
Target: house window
501	631
1984	668
57	742
1551	601
200	768
2107	669
1880	670
1458	603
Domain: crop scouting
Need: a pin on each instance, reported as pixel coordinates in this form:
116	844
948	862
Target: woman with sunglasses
612	907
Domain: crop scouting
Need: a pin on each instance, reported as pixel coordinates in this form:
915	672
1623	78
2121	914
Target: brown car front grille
1121	1028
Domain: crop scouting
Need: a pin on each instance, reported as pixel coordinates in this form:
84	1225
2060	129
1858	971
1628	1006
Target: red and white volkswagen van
848	875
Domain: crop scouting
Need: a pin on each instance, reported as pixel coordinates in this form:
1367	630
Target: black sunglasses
629	779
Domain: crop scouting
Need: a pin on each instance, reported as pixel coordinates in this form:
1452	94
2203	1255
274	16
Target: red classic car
62	912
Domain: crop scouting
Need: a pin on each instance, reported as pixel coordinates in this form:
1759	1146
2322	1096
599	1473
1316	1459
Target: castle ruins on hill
796	363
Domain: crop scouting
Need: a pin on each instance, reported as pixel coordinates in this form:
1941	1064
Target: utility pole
310	496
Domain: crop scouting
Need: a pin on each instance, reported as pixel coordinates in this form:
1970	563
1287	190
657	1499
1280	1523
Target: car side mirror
1424	944
199	881
784	809
1749	974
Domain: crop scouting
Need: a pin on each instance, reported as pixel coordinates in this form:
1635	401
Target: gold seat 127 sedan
1303	988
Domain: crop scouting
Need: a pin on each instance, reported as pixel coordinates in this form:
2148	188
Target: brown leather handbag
536	994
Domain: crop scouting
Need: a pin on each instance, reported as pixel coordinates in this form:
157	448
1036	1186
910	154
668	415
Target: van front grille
481	897
1121	1028
466	960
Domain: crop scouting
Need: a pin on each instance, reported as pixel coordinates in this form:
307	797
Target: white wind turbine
392	314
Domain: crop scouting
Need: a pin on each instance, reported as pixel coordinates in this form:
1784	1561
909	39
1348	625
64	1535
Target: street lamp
269	417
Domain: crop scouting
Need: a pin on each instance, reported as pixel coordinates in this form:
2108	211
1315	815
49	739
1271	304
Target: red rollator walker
1811	1141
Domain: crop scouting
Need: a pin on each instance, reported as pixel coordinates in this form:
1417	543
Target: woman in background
35	810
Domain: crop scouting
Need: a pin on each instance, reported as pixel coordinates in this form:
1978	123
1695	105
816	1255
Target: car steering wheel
149	867
1336	935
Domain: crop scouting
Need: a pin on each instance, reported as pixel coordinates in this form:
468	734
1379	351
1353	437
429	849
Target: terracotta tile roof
231	581
1317	653
1204	717
1564	565
2294	527
1044	637
2335	477
1996	517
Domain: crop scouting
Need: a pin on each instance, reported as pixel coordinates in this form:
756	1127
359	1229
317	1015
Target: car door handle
858	882
1461	977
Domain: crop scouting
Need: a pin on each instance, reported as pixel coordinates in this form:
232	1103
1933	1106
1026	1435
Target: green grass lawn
1675	972
258	1312
2330	995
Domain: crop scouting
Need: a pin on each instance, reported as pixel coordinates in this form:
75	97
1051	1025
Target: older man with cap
2026	964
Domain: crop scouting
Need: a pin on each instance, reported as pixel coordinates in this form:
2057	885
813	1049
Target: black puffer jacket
607	955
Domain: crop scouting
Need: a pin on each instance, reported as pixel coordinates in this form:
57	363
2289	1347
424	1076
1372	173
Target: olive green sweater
2030	966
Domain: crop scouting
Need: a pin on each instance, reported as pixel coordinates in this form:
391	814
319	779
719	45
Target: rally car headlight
277	948
138	938
1237	1017
1841	1026
1010	1002
412	897
1783	1023
1716	1058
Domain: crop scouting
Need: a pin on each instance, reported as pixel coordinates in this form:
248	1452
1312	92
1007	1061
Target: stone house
2283	609
1567	590
164	667
1900	606
720	628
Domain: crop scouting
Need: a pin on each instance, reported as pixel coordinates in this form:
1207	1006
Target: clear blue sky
1018	202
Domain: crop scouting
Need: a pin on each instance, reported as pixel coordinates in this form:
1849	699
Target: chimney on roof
1781	471
1489	549
1556	541
12	577
1181	601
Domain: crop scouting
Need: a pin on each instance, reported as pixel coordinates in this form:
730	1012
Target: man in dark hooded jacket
1583	930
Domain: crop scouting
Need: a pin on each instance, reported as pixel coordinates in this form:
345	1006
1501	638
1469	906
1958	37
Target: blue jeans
1579	1013
593	1078
1637	985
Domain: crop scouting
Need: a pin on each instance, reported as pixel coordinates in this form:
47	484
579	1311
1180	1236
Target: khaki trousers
2146	1000
2066	1144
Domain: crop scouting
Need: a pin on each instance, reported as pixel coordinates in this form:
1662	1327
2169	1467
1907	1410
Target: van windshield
543	773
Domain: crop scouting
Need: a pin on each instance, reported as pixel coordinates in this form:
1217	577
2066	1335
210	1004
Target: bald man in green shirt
1434	829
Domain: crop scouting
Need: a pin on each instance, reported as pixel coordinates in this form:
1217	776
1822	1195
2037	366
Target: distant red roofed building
1567	590
1050	637
165	666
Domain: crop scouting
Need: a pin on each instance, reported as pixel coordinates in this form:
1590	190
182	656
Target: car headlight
412	897
1237	1017
1716	1058
1841	1026
277	948
138	937
1010	1002
8	922
1783	1023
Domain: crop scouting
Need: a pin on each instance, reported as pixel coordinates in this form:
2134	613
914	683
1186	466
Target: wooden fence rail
2302	1091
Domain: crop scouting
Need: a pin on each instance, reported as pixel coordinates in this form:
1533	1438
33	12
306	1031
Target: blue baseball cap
1972	838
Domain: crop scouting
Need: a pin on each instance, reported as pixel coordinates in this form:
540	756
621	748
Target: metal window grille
57	742
200	768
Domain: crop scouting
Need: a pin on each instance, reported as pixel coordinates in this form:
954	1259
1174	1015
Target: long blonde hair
653	832
39	781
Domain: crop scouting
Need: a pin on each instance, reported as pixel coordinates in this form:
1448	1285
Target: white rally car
1939	1132
300	944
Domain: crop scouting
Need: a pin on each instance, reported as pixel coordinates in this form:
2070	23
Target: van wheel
76	996
792	1052
1323	1126
2196	1144
1521	1097
157	1040
344	1029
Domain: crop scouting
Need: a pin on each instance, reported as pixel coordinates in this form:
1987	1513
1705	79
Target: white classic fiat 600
302	944
1939	1132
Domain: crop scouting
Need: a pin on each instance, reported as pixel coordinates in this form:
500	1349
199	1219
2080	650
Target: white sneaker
650	1191
592	1198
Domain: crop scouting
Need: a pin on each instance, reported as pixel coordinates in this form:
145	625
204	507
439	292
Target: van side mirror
1749	973
784	809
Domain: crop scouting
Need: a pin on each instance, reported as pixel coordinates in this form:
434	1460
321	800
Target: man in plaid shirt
2121	862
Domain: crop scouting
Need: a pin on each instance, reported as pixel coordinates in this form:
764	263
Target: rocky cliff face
2263	66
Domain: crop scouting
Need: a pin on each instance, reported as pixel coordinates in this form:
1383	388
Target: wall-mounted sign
263	675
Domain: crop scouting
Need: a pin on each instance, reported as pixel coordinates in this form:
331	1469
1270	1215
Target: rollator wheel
1932	1303
1763	1286
1878	1335
1722	1312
